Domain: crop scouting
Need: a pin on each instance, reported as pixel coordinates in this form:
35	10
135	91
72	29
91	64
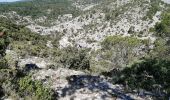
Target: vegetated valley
85	50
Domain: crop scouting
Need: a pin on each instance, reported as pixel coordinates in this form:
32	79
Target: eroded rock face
77	85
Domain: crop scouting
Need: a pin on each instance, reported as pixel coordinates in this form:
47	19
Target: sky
8	0
167	1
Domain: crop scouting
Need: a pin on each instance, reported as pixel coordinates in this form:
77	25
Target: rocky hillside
85	50
96	21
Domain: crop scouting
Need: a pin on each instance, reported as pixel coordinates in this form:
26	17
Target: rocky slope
77	85
98	20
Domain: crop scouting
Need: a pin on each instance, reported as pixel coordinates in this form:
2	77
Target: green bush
4	41
153	9
3	63
1	92
148	74
8	78
121	51
34	89
75	59
161	49
111	41
162	28
22	40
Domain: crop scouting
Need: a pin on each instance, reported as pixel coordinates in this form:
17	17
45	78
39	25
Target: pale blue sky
9	0
167	1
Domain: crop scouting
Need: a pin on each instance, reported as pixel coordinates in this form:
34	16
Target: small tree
122	50
163	28
4	41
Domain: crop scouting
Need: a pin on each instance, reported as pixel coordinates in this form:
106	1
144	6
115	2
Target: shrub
162	28
161	49
108	17
148	74
123	50
153	9
22	40
75	59
4	41
1	92
3	63
34	89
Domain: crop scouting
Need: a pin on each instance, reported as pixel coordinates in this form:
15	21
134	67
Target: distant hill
37	8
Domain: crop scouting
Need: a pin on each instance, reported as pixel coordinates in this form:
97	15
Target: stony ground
78	85
75	85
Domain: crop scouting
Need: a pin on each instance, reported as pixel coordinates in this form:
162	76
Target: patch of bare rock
77	85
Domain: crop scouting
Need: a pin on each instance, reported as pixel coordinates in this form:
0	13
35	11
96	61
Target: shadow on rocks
29	67
92	83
